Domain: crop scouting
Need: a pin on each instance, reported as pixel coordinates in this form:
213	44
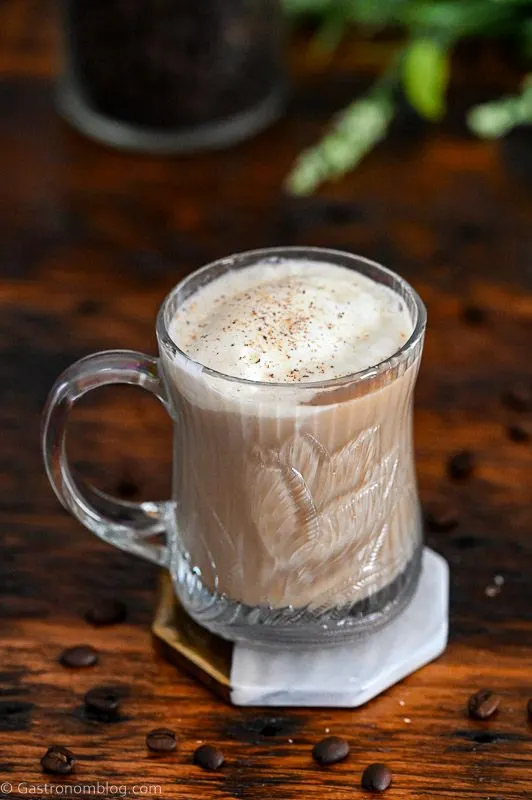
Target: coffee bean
474	315
83	655
471	232
461	465
208	757
483	704
441	516
89	307
103	700
376	778
519	432
330	750
58	760
529	709
161	740
106	612
518	398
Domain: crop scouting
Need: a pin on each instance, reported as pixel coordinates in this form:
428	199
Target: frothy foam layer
291	322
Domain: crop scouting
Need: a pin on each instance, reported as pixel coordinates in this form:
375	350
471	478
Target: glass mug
295	516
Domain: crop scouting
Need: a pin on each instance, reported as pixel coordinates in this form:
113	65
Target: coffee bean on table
83	655
58	760
89	307
330	750
518	398
103	700
520	432
483	704
441	516
474	315
208	757
161	740
461	465
376	778
106	612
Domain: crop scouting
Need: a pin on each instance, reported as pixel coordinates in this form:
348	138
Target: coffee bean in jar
171	75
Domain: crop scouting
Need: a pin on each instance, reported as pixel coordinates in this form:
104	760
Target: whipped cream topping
292	321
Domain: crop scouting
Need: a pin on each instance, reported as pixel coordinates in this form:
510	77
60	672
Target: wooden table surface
91	241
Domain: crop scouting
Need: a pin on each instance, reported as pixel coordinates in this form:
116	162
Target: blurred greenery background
419	71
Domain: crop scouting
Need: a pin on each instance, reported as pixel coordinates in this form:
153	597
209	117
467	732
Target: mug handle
126	525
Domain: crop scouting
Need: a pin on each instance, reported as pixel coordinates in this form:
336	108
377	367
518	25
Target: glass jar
171	75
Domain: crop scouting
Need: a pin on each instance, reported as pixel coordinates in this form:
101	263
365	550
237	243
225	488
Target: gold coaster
190	647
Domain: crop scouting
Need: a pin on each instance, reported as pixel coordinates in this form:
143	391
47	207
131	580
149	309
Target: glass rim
320	254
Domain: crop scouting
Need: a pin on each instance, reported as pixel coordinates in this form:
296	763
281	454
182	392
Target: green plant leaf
455	18
525	36
425	77
297	7
331	31
356	131
494	120
375	12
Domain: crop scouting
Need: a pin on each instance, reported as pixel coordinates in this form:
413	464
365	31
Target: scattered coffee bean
106	612
461	465
89	307
161	740
518	398
58	760
83	655
208	757
470	232
376	778
519	432
483	704
330	750
529	709
441	516
103	700
474	315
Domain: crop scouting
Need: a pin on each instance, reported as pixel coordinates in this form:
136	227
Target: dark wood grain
91	240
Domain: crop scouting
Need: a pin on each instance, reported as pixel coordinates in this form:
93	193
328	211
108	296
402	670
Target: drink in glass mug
289	375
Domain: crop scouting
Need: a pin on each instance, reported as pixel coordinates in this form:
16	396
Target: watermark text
98	789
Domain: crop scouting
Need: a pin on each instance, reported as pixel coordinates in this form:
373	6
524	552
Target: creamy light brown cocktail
294	490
